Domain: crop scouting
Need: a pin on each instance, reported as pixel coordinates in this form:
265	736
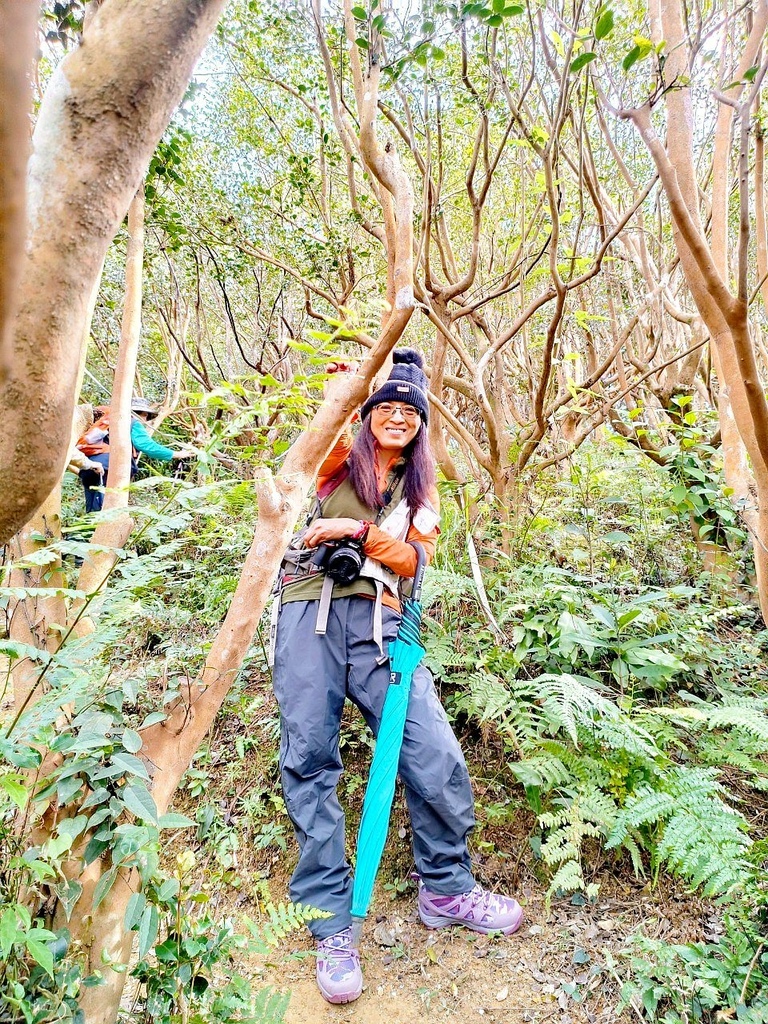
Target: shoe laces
334	943
483	898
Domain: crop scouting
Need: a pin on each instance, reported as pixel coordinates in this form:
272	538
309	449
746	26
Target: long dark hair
419	468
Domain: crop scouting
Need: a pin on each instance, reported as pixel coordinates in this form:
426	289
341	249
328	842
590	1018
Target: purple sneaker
339	977
478	909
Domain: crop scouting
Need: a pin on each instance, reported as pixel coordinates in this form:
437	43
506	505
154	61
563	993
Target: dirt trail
450	975
455	975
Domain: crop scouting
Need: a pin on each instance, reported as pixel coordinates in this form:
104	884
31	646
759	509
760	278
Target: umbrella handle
418	576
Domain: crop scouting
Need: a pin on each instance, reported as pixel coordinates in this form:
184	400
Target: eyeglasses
386	411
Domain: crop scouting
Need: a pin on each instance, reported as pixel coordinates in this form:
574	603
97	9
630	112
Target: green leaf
94	849
582	60
360	13
68	893
628	617
175	821
9	931
138	800
41	953
134	910
18	793
130	765
68	788
616	537
631	58
73	827
168	890
604	25
557	42
495	20
150	921
157	716
96	797
103	886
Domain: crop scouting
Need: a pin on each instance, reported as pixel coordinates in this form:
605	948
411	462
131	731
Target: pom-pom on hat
407	383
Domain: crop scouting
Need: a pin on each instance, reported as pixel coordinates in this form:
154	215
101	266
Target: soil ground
565	965
555	969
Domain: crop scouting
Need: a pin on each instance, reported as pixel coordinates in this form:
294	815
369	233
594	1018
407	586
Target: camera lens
344	564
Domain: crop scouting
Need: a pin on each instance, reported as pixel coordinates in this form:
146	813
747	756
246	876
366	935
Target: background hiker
82	421
95	444
374	494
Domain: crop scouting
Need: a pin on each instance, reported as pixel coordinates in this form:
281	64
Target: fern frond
270	1006
283	919
568	878
647	807
735	751
702	839
750	718
626	735
568	702
588	816
543	772
447	586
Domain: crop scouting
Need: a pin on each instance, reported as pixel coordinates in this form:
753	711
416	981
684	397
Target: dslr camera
342	560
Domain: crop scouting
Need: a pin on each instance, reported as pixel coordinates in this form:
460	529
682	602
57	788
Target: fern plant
697	834
586	750
589	813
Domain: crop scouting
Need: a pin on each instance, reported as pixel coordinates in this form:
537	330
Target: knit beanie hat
407	383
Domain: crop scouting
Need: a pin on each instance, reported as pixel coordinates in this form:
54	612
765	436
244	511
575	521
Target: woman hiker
378	492
95	444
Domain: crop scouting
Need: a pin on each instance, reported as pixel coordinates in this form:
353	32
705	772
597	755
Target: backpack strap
378	623
333	482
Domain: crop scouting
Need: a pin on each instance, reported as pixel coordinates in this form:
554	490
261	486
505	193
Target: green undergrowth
617	702
625	708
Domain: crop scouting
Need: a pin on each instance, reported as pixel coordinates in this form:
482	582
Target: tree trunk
103	113
32	618
18	44
114	533
724	314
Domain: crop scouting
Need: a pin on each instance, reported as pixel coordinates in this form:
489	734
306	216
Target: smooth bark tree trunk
32	618
18	45
114	533
724	313
169	747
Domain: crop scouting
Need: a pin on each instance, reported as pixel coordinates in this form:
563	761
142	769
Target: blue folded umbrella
405	653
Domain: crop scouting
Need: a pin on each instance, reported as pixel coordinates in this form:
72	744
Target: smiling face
394	425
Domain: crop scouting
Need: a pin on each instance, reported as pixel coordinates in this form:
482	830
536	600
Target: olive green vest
342	503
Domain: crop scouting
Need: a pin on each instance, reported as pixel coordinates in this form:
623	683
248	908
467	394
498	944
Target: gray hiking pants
313	674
